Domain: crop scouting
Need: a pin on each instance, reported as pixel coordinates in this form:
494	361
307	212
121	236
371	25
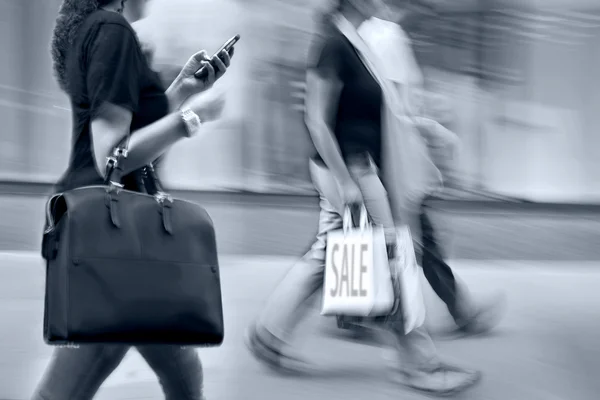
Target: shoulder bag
129	267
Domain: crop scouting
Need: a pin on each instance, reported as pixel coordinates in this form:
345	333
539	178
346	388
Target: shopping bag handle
347	220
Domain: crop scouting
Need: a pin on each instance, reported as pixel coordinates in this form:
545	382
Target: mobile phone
227	46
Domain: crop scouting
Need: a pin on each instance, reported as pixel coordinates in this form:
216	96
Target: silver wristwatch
191	120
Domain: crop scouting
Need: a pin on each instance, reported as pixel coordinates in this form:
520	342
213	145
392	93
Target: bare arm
114	63
168	74
112	124
175	95
322	96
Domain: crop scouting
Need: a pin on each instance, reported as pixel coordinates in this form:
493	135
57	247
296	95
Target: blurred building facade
522	85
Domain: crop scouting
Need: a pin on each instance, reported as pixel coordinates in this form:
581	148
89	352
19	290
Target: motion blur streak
516	81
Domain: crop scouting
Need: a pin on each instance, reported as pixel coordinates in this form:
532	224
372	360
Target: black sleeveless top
357	124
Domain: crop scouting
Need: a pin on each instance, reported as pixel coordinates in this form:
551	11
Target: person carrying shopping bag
100	65
392	46
344	104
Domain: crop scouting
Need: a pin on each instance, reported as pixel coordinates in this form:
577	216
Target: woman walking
99	63
344	106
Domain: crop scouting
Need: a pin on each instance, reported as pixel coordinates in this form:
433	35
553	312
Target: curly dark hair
71	15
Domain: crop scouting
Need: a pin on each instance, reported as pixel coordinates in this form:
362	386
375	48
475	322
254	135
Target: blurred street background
516	80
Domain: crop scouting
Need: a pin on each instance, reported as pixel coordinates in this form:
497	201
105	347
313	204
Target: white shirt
388	41
393	47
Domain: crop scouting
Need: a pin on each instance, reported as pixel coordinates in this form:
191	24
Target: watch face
192	121
190	117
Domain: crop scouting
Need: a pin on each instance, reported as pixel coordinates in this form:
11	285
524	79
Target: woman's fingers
194	63
221	62
200	56
210	76
225	57
219	65
215	67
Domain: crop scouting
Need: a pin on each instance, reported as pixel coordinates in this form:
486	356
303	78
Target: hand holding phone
202	73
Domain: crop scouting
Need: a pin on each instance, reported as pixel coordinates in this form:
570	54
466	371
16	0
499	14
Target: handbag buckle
162	197
120	152
165	201
111	161
114	187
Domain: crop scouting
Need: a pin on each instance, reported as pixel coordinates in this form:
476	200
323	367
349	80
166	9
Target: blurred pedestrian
344	106
99	63
390	43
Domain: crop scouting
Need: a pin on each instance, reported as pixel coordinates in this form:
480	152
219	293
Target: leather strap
114	174
112	201
114	170
151	181
166	216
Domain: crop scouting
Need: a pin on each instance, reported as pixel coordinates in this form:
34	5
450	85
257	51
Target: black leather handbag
128	267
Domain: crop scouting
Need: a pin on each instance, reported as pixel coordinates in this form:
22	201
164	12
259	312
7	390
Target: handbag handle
114	173
348	220
112	180
153	185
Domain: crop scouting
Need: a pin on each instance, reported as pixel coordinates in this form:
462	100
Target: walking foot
485	317
445	380
268	351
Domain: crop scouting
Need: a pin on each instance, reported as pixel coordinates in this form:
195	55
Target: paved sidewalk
248	224
547	348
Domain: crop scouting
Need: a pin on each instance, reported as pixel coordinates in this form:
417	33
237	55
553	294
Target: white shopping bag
358	279
408	275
